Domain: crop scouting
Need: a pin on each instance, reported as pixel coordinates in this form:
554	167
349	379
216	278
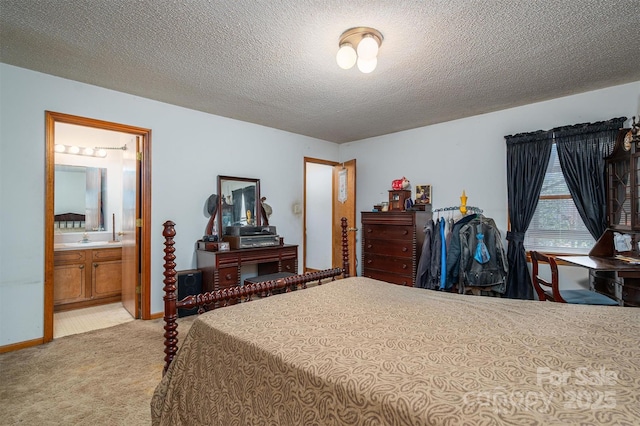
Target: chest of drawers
392	245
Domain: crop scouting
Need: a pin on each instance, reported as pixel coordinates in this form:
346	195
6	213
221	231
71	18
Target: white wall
189	149
470	154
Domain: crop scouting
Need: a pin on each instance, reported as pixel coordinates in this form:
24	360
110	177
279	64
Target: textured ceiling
273	62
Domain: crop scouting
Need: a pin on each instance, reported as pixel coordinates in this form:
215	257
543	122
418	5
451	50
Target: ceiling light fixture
359	45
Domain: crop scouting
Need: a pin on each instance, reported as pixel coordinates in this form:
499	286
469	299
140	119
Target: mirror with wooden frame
238	202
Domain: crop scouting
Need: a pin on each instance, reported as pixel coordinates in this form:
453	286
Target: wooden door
130	232
344	205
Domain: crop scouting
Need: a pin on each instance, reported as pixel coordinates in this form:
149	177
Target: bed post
170	318
345	248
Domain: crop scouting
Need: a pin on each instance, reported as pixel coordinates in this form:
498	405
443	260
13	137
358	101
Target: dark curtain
527	159
581	152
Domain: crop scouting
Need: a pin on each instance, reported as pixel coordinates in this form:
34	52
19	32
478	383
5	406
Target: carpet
102	377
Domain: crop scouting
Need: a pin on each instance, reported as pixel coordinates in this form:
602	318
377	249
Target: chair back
546	290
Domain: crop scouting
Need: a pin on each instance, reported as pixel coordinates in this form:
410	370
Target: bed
359	351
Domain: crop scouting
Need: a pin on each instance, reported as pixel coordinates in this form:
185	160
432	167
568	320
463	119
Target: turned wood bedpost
170	317
345	248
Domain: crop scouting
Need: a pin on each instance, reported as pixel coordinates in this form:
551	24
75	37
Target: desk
222	269
611	277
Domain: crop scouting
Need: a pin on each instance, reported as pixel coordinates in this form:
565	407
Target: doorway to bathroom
112	240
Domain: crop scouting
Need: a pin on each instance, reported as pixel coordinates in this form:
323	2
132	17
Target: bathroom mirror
79	198
238	200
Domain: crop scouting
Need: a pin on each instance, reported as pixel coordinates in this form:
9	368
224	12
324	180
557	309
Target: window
556	225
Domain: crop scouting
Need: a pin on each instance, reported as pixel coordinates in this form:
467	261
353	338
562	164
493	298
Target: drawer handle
368	245
369	262
405	249
369	230
228	276
288	267
404	266
405	232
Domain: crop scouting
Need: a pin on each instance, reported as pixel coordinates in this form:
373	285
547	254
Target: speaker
189	283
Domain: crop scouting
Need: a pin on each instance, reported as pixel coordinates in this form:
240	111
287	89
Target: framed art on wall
423	194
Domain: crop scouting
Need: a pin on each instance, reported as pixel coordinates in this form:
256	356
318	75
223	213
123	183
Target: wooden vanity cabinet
69	283
83	278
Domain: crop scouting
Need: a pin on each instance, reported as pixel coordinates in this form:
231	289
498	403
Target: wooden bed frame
203	301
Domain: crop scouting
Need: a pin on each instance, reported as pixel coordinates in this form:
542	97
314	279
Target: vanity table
239	208
222	269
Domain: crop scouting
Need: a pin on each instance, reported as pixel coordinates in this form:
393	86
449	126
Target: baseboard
157	315
21	345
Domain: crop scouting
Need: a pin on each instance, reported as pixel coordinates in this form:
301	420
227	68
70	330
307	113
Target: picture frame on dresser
423	194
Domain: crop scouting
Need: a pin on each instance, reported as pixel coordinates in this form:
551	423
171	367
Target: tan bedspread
362	352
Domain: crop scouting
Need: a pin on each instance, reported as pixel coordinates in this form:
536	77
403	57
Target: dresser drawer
68	256
392	218
395	248
107	254
631	295
388	277
604	285
228	277
396	265
388	232
289	265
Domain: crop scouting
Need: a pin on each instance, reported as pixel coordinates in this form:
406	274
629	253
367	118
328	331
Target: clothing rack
470	209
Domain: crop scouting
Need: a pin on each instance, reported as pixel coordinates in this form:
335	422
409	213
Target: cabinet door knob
404	266
228	276
368	245
404	249
81	266
95	265
406	232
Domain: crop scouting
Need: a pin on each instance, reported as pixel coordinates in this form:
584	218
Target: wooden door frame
336	248
51	118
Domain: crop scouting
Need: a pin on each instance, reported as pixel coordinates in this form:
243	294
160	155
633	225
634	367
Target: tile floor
87	319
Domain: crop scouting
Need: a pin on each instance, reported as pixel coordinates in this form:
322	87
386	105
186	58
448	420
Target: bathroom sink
89	244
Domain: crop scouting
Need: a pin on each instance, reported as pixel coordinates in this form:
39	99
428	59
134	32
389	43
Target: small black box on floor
189	283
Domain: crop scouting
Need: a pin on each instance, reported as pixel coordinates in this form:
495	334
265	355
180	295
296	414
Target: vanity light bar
87	152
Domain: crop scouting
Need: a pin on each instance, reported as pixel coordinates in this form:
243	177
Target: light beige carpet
102	377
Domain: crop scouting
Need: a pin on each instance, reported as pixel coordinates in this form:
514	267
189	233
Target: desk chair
551	290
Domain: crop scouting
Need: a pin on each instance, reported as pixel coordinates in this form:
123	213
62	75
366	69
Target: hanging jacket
433	282
453	251
443	255
424	264
491	275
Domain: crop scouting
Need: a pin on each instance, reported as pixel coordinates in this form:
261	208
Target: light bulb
101	153
88	151
366	66
346	57
59	148
368	47
74	150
